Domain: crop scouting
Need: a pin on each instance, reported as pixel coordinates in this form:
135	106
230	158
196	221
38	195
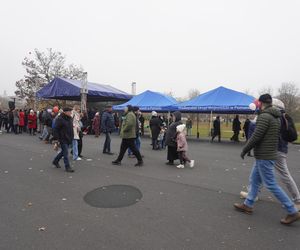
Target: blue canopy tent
149	101
67	89
220	100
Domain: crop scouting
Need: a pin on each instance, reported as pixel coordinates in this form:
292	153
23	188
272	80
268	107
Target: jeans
45	133
106	147
137	143
129	143
263	173
63	153
75	149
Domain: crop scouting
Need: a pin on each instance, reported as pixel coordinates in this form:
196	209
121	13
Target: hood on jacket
180	128
177	116
273	111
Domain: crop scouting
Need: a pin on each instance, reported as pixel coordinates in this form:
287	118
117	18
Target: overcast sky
163	45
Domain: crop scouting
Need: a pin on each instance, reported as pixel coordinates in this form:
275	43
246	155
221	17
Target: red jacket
32	121
21	119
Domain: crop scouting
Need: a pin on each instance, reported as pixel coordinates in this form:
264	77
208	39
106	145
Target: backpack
288	131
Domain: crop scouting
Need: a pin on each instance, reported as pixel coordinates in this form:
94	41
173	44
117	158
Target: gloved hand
243	155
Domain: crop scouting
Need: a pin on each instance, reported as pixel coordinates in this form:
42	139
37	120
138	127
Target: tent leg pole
198	134
210	123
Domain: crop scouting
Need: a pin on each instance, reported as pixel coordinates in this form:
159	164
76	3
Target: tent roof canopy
67	89
149	101
219	100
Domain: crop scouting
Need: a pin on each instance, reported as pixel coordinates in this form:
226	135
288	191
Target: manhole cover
113	196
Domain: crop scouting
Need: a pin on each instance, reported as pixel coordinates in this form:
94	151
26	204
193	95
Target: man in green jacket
128	135
265	142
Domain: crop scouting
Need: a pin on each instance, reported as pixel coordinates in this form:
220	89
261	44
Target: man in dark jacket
63	132
155	126
217	129
171	138
265	144
107	127
236	128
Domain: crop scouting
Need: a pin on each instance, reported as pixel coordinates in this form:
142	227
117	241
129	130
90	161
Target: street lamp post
84	92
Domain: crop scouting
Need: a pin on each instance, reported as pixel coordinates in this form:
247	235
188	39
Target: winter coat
236	125
217	126
21	119
107	122
265	137
182	145
171	132
246	127
155	126
76	125
128	129
32	121
63	131
96	124
48	119
16	117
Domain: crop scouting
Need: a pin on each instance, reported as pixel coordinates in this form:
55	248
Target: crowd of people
267	134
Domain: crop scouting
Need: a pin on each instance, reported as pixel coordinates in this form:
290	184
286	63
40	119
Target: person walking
128	135
155	126
182	147
107	127
76	129
10	127
265	144
32	122
137	140
246	128
236	128
64	133
281	161
172	154
217	129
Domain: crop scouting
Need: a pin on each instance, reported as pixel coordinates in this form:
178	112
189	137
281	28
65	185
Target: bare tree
193	93
288	93
41	68
266	90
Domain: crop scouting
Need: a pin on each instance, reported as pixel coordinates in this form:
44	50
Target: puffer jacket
265	137
128	129
171	132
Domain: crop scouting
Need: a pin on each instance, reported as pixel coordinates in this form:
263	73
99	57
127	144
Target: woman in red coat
21	121
32	122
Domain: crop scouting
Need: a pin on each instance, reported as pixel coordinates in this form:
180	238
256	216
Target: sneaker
139	164
116	162
243	208
180	166
70	170
244	195
291	218
192	163
78	159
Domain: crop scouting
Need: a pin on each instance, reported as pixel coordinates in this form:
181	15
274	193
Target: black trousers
172	154
80	145
215	134
129	143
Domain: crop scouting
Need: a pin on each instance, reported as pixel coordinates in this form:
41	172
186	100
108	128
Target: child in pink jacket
182	147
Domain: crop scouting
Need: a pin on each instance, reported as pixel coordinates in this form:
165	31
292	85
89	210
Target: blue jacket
107	122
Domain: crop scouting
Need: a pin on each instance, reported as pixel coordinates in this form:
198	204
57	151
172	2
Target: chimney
133	88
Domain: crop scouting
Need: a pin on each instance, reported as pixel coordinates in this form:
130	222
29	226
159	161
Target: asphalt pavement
43	207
